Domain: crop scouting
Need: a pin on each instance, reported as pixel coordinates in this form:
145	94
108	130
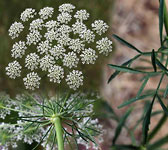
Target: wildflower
70	60
36	25
57	51
78	27
33	37
32	61
87	35
13	69
31	81
64	29
50	35
66	8
74	79
44	47
81	15
99	26
46	62
51	25
76	45
56	73
27	14
18	49
104	46
15	29
88	56
61	42
46	12
64	17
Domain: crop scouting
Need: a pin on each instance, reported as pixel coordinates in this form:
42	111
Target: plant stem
59	133
165	18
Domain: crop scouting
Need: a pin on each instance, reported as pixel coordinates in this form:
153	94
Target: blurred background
135	21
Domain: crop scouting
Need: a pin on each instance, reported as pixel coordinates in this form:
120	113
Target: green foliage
158	61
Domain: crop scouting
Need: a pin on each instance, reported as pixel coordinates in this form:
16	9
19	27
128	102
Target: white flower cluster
56	46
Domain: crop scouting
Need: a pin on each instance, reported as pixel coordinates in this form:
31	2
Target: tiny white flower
32	61
36	25
50	35
64	29
13	69
99	26
44	47
64	17
87	35
46	62
104	46
27	14
18	49
33	37
74	79
66	8
88	56
31	81
57	51
15	29
46	12
70	60
56	73
63	39
78	27
76	45
81	15
52	24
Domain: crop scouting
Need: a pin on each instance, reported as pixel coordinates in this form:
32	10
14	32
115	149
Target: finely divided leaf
126	43
166	91
142	86
163	106
124	64
130	101
153	58
161	20
161	66
146	121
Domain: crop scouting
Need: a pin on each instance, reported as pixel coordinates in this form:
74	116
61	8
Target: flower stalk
59	133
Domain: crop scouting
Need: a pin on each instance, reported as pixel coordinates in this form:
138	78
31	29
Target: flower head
46	12
64	17
70	60
81	15
99	26
27	14
31	81
32	61
57	45
13	69
66	8
56	73
104	46
74	79
15	29
18	49
57	51
88	56
44	47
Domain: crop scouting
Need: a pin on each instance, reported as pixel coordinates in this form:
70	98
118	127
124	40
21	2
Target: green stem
59	133
165	18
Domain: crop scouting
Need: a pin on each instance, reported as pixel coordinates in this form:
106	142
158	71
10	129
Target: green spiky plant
157	67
